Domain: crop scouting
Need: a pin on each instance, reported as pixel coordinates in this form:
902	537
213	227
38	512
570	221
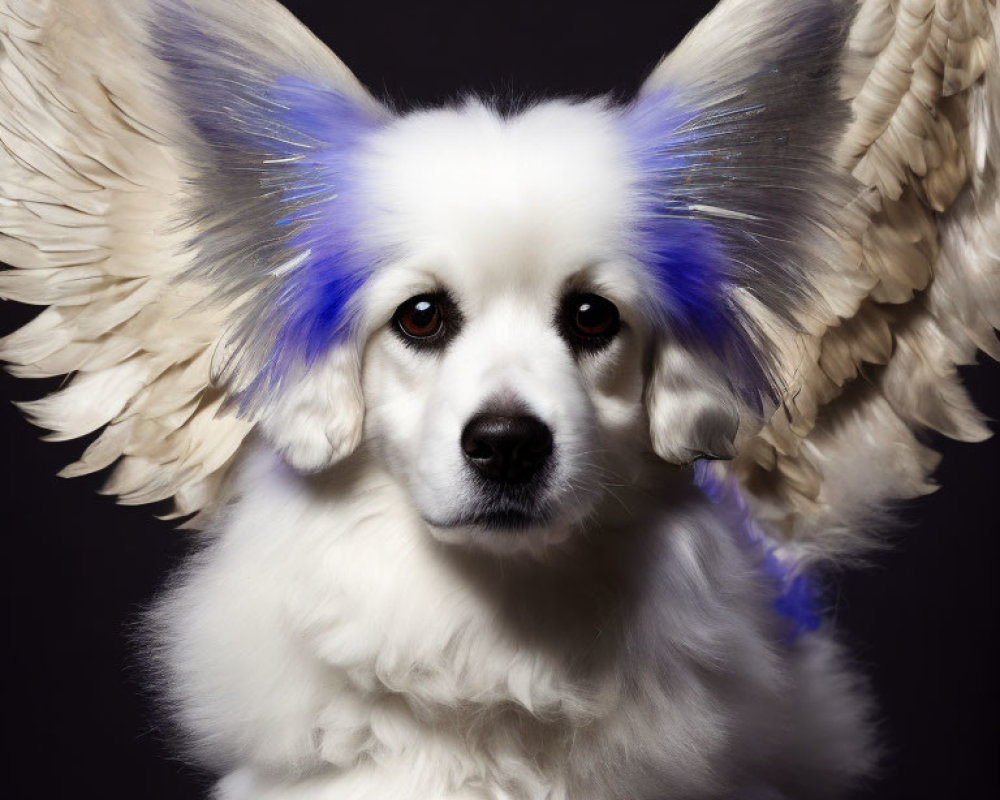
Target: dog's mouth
503	519
496	506
506	511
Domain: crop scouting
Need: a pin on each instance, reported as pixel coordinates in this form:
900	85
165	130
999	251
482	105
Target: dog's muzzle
507	449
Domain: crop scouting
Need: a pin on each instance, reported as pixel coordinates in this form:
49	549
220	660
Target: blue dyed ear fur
736	188
693	412
274	127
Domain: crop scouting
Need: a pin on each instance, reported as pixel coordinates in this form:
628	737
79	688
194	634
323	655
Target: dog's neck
560	599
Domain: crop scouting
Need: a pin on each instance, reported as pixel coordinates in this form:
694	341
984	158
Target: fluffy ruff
325	646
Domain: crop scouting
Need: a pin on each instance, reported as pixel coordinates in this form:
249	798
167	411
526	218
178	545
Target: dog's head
506	363
507	306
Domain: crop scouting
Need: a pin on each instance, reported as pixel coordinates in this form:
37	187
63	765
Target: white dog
463	554
503	593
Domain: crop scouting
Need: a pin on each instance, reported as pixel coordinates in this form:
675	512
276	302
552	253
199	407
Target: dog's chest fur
323	636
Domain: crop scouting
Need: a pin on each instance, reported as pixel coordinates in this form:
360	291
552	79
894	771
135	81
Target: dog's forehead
523	199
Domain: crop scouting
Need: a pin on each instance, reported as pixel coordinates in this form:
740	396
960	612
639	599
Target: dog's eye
588	322
426	320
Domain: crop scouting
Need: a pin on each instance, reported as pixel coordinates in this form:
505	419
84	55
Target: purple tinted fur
278	195
796	598
681	251
682	248
313	179
322	215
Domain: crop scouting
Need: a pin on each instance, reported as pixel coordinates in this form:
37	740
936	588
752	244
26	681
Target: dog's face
507	347
507	362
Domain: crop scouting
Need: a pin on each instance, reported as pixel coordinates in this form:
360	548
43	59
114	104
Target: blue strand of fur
683	255
796	598
278	148
684	248
324	219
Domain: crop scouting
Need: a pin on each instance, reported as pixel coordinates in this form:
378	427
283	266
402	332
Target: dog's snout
507	448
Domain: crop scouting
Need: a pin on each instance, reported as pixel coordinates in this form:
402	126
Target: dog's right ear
269	127
693	411
317	419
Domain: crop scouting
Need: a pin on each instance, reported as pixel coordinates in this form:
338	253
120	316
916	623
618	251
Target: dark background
921	620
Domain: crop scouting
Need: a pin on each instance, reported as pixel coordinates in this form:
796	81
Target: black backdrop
77	569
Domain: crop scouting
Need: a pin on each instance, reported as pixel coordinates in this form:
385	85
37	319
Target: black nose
507	448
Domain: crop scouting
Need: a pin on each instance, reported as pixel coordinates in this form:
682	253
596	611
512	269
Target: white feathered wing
96	214
916	288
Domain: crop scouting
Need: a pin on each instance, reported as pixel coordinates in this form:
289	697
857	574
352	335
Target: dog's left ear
693	412
317	419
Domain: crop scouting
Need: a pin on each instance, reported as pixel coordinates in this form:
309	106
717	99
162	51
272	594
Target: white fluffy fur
339	638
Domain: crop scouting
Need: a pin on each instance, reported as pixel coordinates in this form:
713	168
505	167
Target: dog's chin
504	530
504	520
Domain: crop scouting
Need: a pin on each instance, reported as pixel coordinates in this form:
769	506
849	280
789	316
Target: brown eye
588	322
426	320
